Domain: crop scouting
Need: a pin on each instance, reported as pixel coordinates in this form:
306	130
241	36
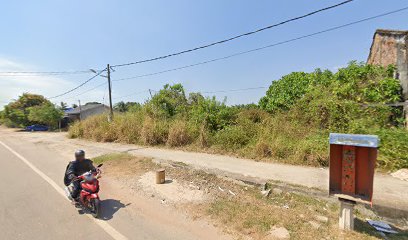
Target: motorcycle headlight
89	177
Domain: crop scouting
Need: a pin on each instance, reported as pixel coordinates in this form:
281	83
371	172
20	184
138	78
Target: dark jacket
76	168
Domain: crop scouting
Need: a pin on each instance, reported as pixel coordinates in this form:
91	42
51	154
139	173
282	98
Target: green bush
214	115
393	152
168	102
232	137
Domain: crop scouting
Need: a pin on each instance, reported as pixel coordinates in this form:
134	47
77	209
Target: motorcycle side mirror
100	165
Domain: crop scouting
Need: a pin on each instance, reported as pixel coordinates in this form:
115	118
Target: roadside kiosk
352	163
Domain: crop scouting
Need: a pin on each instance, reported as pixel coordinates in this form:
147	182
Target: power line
97	86
235	37
30	74
267	46
236	90
252	50
80	85
86	91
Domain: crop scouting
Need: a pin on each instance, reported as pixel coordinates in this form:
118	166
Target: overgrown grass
275	138
291	124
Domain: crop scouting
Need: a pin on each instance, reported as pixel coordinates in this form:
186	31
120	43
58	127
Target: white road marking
104	225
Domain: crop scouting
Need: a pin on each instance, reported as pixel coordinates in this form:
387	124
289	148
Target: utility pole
150	91
110	96
80	110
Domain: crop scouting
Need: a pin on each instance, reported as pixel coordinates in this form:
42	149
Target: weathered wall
93	111
391	47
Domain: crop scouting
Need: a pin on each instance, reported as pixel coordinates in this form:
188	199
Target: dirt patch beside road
172	191
242	210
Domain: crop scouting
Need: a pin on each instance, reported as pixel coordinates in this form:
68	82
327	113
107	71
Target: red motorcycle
88	197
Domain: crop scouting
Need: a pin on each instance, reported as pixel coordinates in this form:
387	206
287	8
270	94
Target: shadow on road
109	207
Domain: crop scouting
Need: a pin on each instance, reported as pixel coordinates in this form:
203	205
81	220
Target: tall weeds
294	132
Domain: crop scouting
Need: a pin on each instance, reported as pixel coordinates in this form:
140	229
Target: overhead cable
233	38
267	46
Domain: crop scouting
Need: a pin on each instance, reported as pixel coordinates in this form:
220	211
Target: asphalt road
33	204
32	209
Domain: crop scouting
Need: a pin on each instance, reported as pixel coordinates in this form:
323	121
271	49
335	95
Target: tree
195	97
46	114
125	107
120	106
134	106
91	103
15	114
63	105
74	105
169	101
215	115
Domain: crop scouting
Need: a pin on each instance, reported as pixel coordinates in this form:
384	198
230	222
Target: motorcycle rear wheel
95	207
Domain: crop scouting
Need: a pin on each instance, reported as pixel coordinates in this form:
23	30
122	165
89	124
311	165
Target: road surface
33	205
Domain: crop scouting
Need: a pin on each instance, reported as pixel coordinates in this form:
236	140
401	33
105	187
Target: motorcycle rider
76	168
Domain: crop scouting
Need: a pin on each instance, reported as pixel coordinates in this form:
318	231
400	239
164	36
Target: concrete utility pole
80	110
110	96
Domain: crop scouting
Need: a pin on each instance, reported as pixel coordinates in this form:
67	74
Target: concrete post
346	216
160	176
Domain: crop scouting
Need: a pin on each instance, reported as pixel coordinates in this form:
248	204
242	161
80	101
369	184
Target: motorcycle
88	197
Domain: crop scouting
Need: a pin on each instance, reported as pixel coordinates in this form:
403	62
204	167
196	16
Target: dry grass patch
262	149
251	214
124	164
178	134
242	210
154	132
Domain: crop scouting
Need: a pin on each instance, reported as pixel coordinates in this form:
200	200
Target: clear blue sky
78	35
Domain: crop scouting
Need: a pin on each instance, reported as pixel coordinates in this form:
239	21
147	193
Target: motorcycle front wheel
95	207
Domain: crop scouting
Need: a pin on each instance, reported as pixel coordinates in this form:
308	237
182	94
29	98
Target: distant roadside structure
391	47
85	111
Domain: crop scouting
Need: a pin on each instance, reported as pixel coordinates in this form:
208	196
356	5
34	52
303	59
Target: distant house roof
83	108
68	109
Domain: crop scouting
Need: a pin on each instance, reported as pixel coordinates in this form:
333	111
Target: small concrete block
346	216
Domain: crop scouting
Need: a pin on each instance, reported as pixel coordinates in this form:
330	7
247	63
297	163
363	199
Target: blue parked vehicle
36	127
